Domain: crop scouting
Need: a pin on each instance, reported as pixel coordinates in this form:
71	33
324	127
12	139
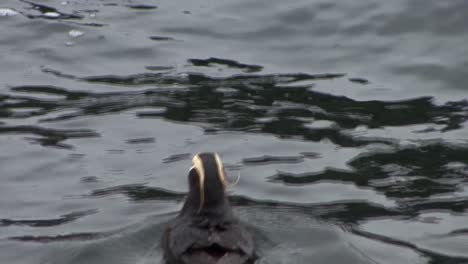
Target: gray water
347	121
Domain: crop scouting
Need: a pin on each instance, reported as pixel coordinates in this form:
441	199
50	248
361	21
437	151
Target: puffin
206	231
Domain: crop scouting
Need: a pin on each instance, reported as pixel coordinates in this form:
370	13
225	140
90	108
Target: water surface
346	121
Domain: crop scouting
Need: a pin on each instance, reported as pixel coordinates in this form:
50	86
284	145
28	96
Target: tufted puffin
206	231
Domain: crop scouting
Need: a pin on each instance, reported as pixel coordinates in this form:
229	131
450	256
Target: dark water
347	121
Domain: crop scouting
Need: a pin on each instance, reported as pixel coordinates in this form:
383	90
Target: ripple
264	160
36	90
458	232
347	212
458	204
434	256
310	178
418	178
160	38
272	103
159	68
49	137
135	79
310	155
64	219
142	7
48	12
225	62
177	157
141	140
139	192
359	80
59	238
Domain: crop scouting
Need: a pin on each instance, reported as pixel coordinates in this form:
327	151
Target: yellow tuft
198	166
222	175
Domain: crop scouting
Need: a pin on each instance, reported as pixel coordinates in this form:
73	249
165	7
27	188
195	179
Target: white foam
7	12
75	33
51	14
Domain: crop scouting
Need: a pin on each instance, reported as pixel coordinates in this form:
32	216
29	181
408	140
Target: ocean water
346	121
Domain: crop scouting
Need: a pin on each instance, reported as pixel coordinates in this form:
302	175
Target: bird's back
206	241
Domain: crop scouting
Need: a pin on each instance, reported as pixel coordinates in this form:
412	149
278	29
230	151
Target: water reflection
282	104
285	105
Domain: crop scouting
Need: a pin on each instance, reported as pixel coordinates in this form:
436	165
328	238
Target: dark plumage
206	231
